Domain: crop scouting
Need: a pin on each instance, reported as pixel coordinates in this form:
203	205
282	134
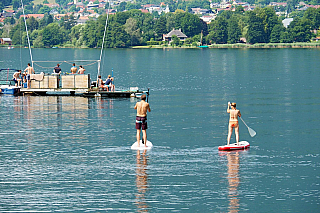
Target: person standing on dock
16	78
81	70
141	120
57	69
29	71
233	121
74	69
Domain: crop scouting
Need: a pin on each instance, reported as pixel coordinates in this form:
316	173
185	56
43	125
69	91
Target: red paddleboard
234	146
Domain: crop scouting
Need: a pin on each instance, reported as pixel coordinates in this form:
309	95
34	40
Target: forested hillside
136	28
133	28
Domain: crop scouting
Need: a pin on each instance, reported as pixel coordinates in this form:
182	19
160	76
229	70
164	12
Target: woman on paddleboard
233	121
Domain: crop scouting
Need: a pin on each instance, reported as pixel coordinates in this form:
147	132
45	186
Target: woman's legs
230	129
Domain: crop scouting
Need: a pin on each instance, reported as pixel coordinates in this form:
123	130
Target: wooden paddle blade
251	132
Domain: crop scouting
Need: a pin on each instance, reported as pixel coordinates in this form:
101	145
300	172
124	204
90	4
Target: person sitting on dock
16	78
81	70
74	69
57	69
109	84
100	83
29	70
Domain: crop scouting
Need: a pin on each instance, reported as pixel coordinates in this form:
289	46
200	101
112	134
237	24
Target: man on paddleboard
141	120
233	121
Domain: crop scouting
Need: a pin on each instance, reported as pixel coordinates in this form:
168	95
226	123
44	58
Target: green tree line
132	28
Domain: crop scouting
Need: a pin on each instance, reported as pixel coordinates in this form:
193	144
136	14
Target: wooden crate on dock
48	82
75	81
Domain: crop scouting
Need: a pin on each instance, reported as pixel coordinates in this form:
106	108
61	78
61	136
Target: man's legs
144	132
138	136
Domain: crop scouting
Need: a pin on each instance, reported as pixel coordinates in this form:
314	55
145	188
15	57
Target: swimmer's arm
149	108
135	107
228	109
239	114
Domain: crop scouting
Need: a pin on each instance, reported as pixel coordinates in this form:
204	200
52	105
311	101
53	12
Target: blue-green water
72	154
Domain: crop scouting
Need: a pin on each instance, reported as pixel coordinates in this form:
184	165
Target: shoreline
212	46
237	46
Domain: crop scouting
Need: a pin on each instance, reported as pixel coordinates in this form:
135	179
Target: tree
67	22
44	10
90	32
52	35
234	31
160	27
12	20
285	37
255	32
32	24
269	20
300	30
118	37
122	6
49	19
313	15
175	41
277	31
15	4
191	24
131	27
219	32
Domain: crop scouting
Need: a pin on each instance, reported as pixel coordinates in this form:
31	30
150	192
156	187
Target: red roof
144	10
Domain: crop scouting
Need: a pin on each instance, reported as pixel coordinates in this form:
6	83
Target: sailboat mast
25	23
104	35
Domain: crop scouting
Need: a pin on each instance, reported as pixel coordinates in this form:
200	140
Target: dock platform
81	92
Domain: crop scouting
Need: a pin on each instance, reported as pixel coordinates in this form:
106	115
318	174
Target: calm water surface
72	154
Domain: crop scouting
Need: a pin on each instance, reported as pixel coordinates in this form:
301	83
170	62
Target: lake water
72	154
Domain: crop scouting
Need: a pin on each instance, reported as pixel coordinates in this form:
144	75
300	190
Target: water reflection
141	181
105	105
233	179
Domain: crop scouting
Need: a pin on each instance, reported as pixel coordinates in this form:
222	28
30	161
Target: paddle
251	131
147	102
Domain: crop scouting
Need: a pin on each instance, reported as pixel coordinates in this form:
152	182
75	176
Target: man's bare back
29	70
142	107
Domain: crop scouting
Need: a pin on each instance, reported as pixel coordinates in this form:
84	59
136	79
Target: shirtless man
73	69
233	121
16	78
81	70
29	71
141	120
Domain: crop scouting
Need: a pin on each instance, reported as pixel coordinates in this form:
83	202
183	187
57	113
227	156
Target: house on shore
5	41
178	33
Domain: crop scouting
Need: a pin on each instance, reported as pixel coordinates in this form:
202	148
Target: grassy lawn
36	2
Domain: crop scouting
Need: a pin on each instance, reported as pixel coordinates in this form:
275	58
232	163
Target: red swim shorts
141	122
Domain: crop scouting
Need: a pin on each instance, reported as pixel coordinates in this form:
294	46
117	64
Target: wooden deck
80	92
71	85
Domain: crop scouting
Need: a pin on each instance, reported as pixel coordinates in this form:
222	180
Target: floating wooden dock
69	85
81	92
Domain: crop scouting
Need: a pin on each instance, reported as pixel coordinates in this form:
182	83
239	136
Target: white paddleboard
141	147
